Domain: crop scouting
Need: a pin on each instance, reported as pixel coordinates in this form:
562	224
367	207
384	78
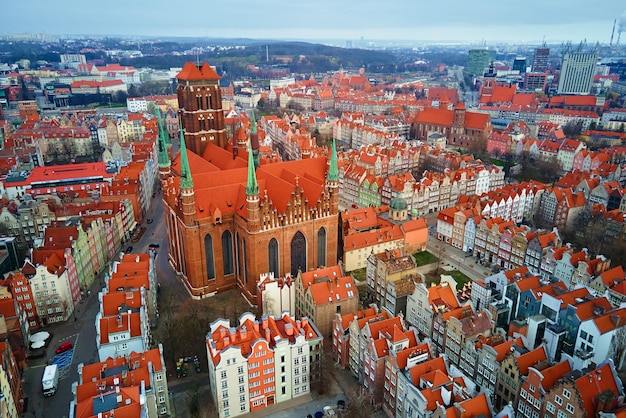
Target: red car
66	346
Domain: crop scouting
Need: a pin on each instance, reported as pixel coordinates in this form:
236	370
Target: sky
417	20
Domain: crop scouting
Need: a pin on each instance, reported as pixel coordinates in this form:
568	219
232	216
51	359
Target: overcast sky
471	20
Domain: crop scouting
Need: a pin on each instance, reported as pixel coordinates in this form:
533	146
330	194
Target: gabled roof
611	320
592	384
532	358
553	373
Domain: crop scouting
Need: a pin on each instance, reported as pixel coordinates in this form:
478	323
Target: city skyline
457	20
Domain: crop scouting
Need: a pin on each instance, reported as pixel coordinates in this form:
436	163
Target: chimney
226	341
289	329
264	319
267	334
243	332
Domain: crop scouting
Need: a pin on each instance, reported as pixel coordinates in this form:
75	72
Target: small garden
424	257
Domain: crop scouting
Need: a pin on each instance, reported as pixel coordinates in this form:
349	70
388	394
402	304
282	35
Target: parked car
129	250
341	405
153	245
66	346
150	220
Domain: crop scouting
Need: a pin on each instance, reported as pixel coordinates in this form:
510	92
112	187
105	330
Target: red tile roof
191	72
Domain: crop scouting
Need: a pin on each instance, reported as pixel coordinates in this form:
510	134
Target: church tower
200	107
187	194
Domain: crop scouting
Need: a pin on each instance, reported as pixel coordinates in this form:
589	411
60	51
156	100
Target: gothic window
210	262
198	102
272	250
321	247
227	253
244	261
298	253
238	255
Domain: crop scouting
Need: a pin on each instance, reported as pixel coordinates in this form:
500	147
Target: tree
358	405
618	345
573	128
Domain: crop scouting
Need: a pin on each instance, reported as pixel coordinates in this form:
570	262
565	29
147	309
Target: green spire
253	123
164	159
333	170
186	182
252	187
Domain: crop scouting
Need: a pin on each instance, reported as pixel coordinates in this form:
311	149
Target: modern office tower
540	61
519	64
577	72
477	61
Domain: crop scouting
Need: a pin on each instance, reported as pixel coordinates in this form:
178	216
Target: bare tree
359	403
618	345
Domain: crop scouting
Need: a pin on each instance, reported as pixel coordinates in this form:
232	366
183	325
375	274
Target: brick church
231	215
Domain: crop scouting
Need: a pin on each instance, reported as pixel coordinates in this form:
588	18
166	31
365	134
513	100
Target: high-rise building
577	72
231	216
519	64
540	61
477	61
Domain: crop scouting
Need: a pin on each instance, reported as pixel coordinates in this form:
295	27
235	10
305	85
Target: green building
478	61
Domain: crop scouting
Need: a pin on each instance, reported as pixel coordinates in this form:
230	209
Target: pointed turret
252	197
252	187
187	193
332	180
333	170
186	182
254	140
164	159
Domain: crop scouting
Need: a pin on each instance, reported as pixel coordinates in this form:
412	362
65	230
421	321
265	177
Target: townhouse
425	302
585	393
512	369
322	293
385	268
260	362
135	385
341	332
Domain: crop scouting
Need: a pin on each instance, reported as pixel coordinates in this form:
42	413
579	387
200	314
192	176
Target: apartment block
261	361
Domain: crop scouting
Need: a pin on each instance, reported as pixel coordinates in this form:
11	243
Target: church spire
254	140
333	170
186	182
164	159
252	187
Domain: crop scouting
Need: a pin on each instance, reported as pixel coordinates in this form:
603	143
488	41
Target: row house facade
359	338
426	302
512	369
384	268
261	362
322	293
120	383
341	332
590	393
395	364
